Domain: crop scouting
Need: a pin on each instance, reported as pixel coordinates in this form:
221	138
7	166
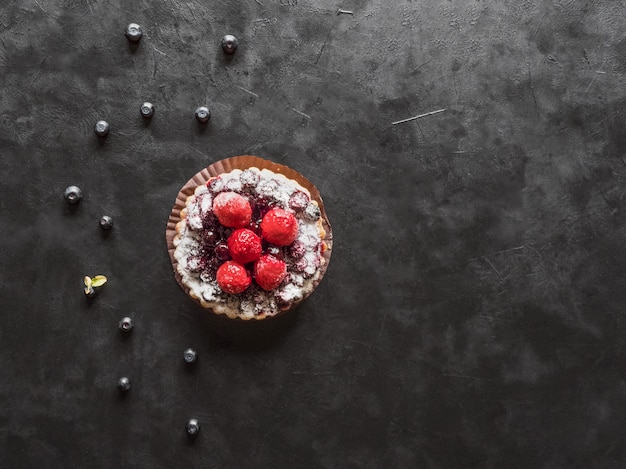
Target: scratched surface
473	311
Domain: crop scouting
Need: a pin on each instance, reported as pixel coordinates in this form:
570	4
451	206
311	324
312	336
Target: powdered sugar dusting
206	204
193	216
250	183
226	198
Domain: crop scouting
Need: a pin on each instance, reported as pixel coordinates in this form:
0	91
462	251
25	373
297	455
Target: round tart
249	238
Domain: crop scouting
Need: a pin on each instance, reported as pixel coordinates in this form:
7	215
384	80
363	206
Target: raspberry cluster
253	248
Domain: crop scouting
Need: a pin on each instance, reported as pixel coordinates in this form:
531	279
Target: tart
248	238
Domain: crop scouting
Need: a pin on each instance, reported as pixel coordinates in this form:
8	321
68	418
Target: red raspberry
244	246
232	210
269	272
279	227
233	277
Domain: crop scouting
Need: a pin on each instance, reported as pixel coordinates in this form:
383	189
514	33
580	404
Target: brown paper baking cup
243	162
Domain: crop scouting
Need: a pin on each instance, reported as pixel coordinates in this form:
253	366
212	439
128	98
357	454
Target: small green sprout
93	283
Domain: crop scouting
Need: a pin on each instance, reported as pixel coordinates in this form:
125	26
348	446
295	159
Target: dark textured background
473	311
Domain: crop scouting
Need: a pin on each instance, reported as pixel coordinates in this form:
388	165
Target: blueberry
101	128
192	427
73	194
190	356
126	324
133	32
123	384
147	110
106	222
203	114
229	44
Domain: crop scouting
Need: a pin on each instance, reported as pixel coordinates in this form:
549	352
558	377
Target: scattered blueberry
203	114
123	384
73	194
101	128
192	427
147	110
126	324
133	32
106	222
190	356
229	44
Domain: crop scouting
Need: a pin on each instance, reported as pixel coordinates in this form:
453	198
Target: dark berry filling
282	302
297	249
260	206
195	263
300	265
209	237
274	251
221	251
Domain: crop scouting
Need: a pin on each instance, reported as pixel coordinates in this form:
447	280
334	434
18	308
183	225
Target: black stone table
473	311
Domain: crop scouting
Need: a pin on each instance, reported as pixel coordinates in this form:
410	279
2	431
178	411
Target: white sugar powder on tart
199	236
